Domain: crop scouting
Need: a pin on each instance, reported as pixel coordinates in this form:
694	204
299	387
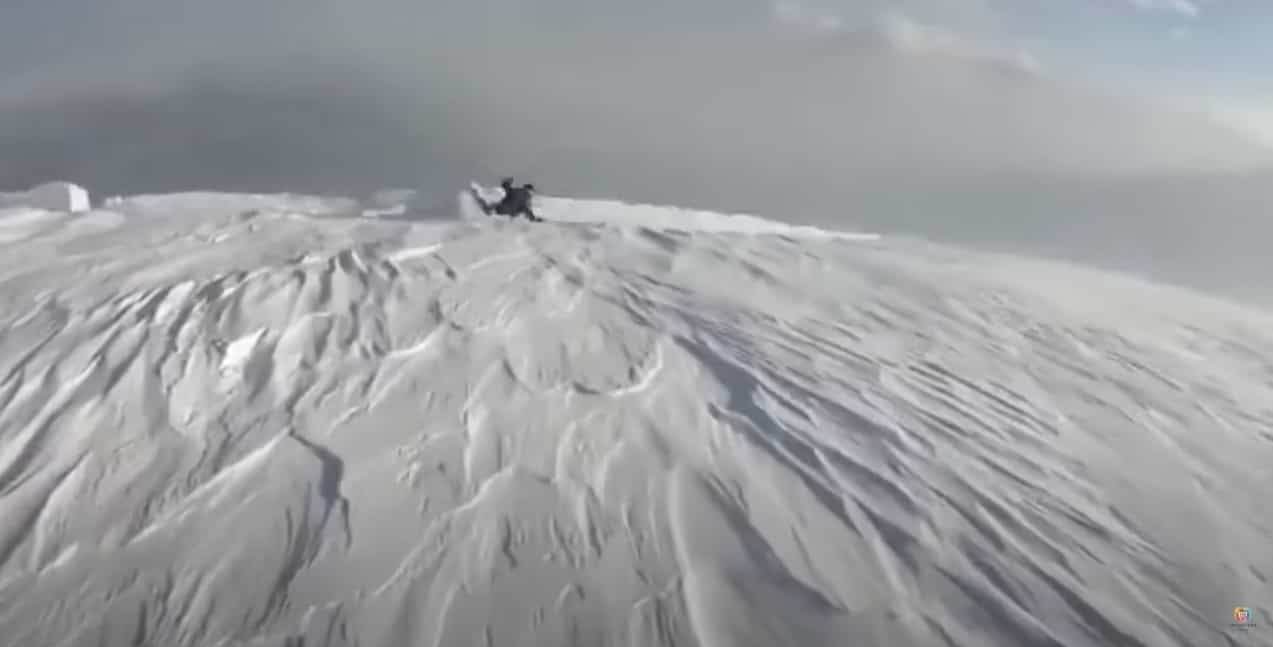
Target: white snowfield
275	421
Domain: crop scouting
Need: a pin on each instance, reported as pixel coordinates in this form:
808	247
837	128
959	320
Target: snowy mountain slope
232	420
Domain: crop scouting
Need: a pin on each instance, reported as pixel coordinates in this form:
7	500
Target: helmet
528	186
506	182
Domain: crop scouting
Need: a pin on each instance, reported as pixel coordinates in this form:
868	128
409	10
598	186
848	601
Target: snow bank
664	217
22	223
53	196
335	431
213	204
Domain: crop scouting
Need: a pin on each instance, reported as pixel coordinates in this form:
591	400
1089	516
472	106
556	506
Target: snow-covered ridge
272	421
664	217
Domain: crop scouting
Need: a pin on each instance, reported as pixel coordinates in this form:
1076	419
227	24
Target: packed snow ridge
284	421
53	196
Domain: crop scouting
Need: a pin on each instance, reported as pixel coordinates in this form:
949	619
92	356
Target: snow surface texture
272	420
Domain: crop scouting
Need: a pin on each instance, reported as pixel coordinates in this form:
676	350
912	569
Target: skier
516	201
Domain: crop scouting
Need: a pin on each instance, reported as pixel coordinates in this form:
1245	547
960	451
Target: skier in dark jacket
516	201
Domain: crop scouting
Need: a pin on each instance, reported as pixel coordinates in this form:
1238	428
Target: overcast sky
546	85
979	120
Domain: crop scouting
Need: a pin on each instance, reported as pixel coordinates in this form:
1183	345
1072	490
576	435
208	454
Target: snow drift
232	420
52	196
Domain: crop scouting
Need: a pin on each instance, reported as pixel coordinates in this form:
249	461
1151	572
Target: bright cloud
1187	8
898	31
1254	120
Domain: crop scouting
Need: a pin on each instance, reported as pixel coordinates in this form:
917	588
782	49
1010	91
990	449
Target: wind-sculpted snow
261	422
